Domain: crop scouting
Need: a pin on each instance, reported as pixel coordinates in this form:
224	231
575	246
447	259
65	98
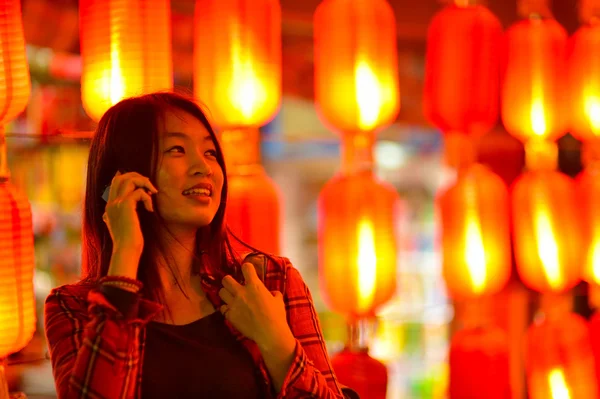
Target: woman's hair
127	140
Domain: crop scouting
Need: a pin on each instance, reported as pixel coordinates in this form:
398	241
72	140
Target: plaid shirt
98	353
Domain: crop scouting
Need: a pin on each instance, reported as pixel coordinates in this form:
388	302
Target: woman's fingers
123	184
141	195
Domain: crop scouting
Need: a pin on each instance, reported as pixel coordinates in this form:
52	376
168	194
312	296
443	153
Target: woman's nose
201	167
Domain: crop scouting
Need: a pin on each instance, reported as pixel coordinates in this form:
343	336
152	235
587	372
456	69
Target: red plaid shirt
98	353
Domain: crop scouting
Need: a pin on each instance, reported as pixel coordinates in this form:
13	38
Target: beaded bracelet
123	282
123	285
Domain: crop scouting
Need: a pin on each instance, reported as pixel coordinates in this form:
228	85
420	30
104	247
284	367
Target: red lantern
253	210
237	60
595	339
479	364
560	362
547	235
588	194
17	302
462	69
533	93
584	82
125	51
348	365
475	235
356	64
357	243
15	86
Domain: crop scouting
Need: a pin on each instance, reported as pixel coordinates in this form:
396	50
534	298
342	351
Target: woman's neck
177	264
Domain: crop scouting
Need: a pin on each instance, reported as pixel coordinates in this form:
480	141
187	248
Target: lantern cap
534	8
541	155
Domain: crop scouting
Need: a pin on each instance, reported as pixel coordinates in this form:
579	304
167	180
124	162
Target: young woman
167	308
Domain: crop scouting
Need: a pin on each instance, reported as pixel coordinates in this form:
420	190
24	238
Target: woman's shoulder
70	295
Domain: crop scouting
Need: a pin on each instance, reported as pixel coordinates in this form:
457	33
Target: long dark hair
126	140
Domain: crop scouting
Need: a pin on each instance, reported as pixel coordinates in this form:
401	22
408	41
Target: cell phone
105	193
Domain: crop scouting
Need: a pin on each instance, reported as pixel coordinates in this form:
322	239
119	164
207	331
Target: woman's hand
255	311
122	220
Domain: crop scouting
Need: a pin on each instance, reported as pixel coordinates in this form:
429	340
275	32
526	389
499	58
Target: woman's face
189	179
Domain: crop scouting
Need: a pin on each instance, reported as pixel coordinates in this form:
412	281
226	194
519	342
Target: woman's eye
176	148
212	153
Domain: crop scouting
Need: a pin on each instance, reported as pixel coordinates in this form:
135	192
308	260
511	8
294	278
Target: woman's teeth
197	191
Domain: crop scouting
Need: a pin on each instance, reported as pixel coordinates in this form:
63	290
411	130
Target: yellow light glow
246	91
369	95
546	245
595	253
592	108
558	384
474	251
538	117
366	264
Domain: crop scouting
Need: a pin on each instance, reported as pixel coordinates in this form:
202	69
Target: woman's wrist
124	262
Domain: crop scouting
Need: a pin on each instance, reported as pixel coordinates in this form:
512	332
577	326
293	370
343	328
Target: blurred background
47	156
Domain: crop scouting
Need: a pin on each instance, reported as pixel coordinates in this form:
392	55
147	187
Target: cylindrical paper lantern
357	243
462	69
475	233
547	233
356	64
560	361
237	60
533	92
125	51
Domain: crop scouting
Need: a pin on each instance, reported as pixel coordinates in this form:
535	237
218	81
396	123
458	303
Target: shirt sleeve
92	342
311	374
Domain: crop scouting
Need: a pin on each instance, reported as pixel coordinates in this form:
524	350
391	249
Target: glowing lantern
547	232
479	364
125	51
237	60
17	302
588	194
533	94
253	208
237	74
560	361
584	82
17	310
462	69
475	263
595	338
15	86
356	64
357	243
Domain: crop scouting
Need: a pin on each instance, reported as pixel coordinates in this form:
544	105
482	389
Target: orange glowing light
356	73
475	233
17	301
533	90
584	82
548	242
237	60
357	243
15	85
125	51
559	359
462	69
588	193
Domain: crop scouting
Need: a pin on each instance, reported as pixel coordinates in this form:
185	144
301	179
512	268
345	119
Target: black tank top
198	360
